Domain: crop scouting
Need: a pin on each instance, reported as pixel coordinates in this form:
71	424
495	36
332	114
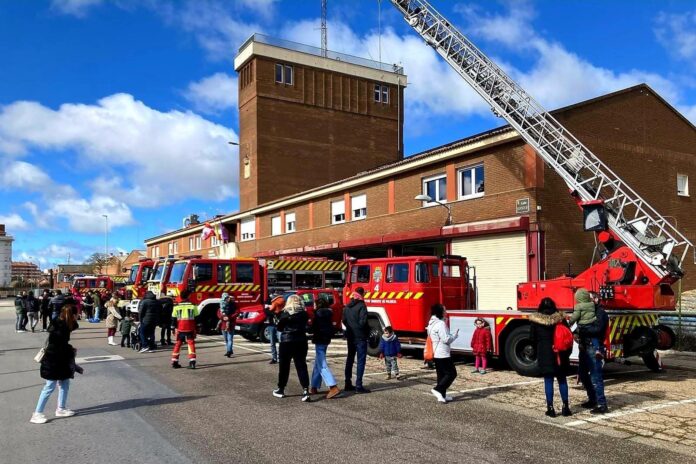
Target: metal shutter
500	262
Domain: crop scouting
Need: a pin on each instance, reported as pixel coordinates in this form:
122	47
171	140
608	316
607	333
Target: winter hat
356	296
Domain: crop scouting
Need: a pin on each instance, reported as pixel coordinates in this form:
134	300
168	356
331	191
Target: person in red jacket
481	344
228	314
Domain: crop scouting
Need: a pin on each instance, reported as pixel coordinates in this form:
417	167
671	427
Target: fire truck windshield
133	273
177	275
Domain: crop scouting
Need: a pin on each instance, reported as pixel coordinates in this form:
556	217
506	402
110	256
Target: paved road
139	410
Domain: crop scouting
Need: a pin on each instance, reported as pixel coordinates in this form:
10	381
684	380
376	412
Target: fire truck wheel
651	362
264	335
374	336
520	354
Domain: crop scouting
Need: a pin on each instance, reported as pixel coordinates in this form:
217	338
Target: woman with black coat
292	325
58	365
551	364
322	332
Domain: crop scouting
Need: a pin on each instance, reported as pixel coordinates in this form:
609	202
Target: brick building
511	216
26	272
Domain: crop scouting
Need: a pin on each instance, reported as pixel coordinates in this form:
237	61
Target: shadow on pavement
135	403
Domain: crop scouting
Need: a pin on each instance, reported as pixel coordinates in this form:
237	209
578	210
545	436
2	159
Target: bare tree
99	262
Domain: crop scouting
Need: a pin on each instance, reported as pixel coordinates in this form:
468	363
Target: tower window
283	74
381	93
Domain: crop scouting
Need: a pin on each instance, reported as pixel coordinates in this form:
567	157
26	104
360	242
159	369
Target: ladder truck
642	253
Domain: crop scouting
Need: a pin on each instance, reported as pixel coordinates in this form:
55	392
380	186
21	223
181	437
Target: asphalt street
137	409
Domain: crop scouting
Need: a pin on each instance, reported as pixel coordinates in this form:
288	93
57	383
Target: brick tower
306	120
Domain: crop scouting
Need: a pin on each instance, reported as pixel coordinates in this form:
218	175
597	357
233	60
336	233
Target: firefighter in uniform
184	325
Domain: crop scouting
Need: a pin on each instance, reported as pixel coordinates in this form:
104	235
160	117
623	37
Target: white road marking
496	387
627	412
385	373
96	359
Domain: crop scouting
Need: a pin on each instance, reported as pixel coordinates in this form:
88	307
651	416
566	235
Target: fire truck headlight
252	314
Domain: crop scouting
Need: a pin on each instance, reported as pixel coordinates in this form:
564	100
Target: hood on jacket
547	319
389	338
294	304
434	320
356	296
582	296
149	296
224	296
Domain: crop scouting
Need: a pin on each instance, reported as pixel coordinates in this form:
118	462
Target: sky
125	108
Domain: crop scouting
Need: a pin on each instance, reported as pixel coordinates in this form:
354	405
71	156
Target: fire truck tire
651	362
374	336
264	335
520	354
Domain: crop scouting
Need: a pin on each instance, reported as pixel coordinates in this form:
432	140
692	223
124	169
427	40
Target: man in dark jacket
20	312
45	309
591	362
56	304
165	321
149	310
357	331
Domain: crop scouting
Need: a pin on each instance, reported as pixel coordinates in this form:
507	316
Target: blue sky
125	107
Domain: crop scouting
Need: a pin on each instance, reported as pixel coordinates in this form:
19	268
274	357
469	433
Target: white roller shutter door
500	262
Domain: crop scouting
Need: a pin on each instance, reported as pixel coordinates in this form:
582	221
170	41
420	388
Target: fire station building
322	174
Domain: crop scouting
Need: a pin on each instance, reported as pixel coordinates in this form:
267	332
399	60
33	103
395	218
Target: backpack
562	338
428	352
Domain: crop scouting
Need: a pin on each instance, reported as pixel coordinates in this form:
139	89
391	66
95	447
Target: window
248	229
198	242
224	273
397	273
177	274
290	223
385	94
358	207
328	297
308	299
338	212
360	274
381	93
245	273
176	247
171	248
283	74
191	243
471	182
682	185
214	241
436	188
422	273
275	226
202	272
378	93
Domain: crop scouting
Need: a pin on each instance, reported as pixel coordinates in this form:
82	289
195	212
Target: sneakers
438	395
333	391
601	409
448	398
475	371
38	418
279	393
176	365
273	361
482	371
361	390
64	412
144	350
192	364
305	396
21	331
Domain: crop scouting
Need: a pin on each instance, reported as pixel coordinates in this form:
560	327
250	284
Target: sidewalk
672	359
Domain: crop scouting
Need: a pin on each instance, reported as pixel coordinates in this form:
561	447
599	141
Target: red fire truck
160	275
104	285
136	285
641	253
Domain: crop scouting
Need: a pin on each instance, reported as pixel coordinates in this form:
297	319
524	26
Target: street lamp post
106	235
428	199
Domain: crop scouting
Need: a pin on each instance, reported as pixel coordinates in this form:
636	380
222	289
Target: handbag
39	356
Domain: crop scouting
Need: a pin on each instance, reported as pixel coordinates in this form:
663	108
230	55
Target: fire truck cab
159	276
136	286
208	278
399	292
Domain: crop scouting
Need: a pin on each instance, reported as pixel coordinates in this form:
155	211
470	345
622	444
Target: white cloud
77	8
213	93
165	156
56	253
677	33
14	222
265	8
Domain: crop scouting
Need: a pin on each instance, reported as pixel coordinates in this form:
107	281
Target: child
126	324
389	350
481	344
585	314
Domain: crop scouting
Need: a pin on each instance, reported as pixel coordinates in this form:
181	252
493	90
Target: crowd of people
288	327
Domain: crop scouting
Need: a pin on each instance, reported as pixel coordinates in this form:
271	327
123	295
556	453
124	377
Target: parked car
251	323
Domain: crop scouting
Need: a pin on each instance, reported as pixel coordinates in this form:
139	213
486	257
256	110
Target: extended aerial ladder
629	217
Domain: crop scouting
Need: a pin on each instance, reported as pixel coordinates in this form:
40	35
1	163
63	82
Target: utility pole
324	44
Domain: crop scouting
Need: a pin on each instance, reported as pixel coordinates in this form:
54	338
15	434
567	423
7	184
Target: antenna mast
323	29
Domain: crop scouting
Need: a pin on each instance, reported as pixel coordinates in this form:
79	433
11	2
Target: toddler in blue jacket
390	350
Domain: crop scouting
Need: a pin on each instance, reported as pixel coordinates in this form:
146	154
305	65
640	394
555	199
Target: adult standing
88	306
591	360
292	325
272	312
551	364
58	365
45	310
97	302
357	331
227	314
149	310
56	304
441	339
19	312
112	318
184	321
31	304
165	321
322	332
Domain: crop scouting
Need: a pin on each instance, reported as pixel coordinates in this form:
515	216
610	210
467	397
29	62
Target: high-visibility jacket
184	317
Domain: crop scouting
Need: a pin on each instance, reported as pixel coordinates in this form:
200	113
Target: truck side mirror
191	285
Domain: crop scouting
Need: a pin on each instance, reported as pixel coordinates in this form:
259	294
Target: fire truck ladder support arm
657	242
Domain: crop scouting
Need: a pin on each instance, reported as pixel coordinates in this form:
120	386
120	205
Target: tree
99	262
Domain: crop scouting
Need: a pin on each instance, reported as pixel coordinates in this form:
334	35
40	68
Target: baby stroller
135	333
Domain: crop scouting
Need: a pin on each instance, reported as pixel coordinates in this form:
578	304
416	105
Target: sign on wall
522	206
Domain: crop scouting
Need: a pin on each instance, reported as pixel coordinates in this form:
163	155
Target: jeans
591	373
358	347
391	364
273	336
297	352
446	373
147	336
18	322
45	319
229	339
48	390
562	388
321	368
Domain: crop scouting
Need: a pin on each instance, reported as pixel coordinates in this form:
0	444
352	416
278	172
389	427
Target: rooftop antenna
379	29
324	46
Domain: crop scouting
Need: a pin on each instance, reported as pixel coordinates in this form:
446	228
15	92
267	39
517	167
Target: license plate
236	327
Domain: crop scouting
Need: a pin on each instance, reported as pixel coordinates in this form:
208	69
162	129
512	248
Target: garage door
500	262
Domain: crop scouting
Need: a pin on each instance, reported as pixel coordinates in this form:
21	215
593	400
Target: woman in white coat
112	318
441	339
